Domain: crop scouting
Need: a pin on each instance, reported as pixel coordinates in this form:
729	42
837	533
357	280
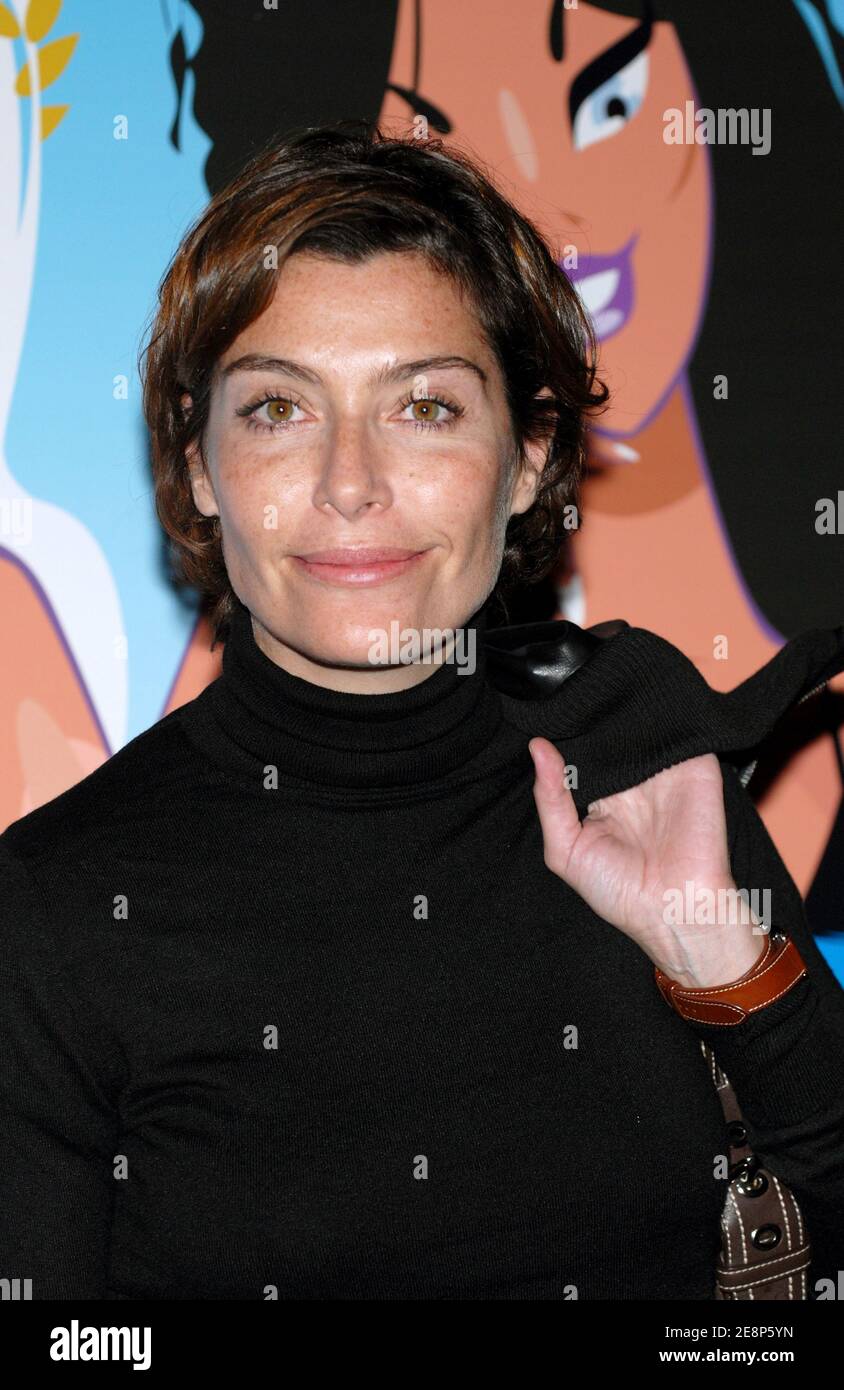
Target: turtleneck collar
333	738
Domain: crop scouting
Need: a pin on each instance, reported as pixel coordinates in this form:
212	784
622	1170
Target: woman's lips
357	567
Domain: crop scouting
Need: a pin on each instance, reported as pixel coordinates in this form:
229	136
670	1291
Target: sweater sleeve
786	1062
58	1122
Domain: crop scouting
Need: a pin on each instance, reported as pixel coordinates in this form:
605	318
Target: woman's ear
529	475
200	481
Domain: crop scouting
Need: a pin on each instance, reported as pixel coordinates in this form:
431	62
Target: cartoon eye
607	110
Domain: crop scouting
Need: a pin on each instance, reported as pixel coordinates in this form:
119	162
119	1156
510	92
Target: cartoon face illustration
568	107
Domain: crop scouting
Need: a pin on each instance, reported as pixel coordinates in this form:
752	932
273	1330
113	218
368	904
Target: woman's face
362	409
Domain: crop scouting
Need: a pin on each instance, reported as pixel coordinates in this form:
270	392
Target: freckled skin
352	468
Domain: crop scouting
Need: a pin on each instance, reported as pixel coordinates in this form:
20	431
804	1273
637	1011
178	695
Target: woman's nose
352	470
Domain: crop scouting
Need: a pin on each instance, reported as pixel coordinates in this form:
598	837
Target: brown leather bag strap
765	1250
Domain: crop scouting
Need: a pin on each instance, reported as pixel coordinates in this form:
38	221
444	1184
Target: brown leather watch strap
778	968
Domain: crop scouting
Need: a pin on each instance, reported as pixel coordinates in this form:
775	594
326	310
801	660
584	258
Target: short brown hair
348	191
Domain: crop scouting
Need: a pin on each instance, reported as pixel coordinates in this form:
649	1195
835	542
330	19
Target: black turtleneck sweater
291	1005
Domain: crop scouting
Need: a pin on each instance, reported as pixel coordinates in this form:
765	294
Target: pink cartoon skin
50	735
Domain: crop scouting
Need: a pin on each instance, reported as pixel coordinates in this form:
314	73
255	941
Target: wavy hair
349	191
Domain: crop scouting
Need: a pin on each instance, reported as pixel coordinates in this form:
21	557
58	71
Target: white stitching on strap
725	1226
732	1200
766	1280
780	1260
783	1207
734	1008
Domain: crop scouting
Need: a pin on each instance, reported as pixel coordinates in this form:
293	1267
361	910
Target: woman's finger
555	804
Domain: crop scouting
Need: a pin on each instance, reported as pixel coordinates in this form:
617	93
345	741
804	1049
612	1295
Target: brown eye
279	410
428	410
431	412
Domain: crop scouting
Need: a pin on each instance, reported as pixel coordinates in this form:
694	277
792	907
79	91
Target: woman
319	988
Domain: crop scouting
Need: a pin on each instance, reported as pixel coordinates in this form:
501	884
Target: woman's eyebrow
398	371
606	64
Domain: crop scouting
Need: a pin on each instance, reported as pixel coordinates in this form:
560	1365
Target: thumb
555	804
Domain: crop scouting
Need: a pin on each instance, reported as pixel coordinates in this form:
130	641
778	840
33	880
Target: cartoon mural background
712	273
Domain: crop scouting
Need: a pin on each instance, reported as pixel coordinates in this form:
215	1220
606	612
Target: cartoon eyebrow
420	106
417	103
606	64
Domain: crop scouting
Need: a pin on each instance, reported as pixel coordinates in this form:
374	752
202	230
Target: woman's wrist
779	967
720	962
706	954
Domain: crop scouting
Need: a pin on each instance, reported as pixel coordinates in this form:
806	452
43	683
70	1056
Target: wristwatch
778	969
